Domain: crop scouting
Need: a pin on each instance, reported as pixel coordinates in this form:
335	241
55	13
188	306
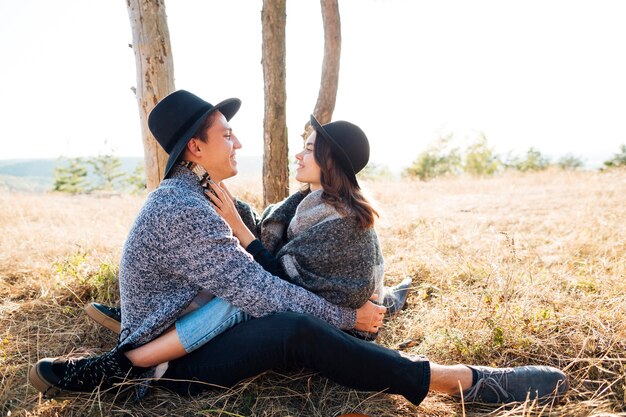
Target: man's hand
369	317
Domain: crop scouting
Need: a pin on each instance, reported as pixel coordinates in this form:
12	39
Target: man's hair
338	190
200	133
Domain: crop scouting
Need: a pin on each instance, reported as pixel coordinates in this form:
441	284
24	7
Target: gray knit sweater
178	246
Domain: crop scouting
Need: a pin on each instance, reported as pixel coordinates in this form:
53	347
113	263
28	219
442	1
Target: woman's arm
269	262
224	204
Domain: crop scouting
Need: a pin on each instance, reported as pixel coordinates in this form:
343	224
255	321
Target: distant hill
37	175
44	168
28	167
25	184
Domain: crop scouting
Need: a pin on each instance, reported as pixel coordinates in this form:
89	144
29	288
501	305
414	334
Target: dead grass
508	271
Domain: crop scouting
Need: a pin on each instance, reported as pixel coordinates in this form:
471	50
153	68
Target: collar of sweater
312	210
203	176
182	176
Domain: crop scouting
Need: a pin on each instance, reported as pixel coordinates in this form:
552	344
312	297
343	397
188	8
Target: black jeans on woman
291	341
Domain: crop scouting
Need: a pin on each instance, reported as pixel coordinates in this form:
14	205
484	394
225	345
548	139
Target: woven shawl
323	251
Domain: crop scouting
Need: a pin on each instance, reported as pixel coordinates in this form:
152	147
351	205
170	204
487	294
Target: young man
179	250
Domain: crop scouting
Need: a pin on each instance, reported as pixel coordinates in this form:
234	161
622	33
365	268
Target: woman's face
308	170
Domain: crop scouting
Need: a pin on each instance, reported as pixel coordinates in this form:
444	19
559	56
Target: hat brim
340	152
228	108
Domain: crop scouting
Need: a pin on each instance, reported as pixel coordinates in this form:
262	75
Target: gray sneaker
395	297
509	385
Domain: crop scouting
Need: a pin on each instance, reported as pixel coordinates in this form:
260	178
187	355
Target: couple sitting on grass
212	295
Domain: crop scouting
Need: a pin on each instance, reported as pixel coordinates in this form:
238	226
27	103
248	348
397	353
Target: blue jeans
201	325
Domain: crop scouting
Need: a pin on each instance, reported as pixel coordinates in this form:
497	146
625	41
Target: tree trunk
329	83
275	154
155	75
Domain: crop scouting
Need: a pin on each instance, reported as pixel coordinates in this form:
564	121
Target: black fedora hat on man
175	119
348	144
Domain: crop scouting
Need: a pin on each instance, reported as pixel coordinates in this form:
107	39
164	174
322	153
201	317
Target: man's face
218	152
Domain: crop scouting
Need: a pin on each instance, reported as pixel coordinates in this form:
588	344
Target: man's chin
233	172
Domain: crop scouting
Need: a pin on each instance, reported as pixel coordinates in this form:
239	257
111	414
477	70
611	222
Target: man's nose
236	143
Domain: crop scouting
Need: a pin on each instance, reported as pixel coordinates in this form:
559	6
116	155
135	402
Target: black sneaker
52	375
109	317
509	385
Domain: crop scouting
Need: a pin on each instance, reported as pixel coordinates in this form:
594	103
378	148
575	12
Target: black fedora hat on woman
348	144
175	119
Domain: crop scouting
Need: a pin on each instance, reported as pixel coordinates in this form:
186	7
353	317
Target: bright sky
547	74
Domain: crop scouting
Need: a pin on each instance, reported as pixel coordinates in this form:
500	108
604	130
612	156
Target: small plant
570	162
480	159
107	170
136	181
71	176
375	172
618	160
534	160
104	281
86	280
440	159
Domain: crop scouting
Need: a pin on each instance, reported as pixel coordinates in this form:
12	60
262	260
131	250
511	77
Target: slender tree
329	83
275	155
155	75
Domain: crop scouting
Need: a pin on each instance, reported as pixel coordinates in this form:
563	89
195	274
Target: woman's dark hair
338	190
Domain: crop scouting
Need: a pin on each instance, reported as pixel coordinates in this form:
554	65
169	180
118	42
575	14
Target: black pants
290	341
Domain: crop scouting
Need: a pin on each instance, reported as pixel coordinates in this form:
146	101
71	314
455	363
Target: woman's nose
299	156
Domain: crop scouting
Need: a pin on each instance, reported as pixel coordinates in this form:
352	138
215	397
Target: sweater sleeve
264	258
202	249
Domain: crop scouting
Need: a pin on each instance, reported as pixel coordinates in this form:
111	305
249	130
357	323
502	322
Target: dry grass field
512	270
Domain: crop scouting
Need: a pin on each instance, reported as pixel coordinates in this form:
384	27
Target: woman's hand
369	317
225	206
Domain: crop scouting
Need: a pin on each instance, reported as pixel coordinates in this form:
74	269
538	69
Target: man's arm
205	252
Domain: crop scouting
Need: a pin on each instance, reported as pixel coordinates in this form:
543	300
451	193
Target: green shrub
480	159
618	160
532	161
70	176
136	181
88	279
374	171
439	159
570	162
107	170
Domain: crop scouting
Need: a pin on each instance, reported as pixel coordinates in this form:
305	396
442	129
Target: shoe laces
112	311
101	368
487	384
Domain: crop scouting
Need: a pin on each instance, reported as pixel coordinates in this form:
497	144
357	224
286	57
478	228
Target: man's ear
193	148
